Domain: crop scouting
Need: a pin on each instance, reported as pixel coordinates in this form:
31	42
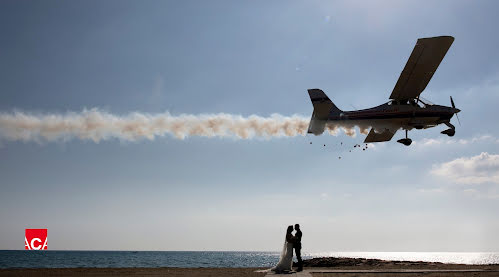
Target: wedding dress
286	260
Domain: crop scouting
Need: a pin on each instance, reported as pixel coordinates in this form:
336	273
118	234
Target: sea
105	259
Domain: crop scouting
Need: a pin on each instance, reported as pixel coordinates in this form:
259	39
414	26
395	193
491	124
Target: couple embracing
291	242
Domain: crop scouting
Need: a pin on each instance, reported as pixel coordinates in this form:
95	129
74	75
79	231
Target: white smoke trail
96	125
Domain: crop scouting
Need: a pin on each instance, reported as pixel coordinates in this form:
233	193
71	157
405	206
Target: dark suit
297	247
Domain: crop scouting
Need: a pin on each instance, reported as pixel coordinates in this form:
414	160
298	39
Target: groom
297	247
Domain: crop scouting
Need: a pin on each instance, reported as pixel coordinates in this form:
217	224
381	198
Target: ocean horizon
194	259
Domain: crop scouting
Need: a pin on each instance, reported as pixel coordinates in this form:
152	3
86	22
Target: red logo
35	239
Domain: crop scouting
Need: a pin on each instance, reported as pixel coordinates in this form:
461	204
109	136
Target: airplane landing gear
451	131
405	141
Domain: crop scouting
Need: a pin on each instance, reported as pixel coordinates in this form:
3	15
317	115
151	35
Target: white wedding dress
286	261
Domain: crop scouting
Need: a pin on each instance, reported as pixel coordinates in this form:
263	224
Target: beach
320	267
446	270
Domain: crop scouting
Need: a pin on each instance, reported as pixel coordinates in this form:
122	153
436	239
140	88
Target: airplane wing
379	137
422	64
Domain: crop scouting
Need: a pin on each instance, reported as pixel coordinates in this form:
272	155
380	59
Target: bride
286	261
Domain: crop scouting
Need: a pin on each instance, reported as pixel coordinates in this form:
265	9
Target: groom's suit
297	247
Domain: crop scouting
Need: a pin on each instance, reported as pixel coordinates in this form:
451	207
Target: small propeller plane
405	110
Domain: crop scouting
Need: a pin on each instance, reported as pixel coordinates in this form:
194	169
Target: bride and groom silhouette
291	242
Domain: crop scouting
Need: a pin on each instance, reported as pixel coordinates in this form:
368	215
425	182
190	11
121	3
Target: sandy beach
319	267
447	270
350	267
376	272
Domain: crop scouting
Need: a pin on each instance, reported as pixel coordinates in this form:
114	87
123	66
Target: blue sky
247	58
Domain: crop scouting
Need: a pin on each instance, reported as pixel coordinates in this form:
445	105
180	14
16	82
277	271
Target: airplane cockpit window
400	102
412	102
417	103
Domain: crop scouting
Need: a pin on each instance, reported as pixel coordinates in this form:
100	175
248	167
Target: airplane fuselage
395	116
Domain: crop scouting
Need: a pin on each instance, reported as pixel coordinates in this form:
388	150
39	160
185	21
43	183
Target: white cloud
347	195
447	141
431	190
470	191
478	194
483	168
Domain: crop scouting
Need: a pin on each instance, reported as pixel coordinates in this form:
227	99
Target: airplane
405	110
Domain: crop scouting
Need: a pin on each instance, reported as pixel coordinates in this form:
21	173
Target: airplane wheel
449	132
405	141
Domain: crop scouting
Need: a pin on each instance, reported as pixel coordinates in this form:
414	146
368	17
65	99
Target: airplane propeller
454	106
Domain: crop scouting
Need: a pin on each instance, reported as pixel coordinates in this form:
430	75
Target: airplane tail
323	107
